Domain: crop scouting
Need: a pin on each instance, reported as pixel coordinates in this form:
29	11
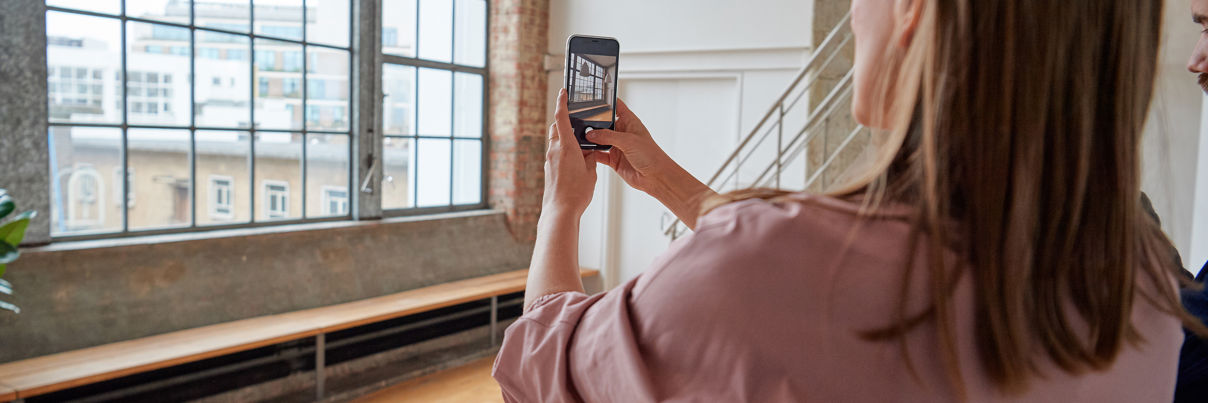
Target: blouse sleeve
533	360
570	338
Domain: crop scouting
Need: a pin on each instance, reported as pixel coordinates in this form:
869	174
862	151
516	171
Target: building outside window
433	74
222	205
86	203
117	186
335	200
276	199
182	95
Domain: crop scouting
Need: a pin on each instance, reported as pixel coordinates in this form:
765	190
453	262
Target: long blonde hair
1021	121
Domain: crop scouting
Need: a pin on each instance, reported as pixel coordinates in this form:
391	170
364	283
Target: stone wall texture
24	169
87	296
832	132
519	32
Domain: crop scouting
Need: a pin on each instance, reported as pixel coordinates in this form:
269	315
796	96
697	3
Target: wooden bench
41	375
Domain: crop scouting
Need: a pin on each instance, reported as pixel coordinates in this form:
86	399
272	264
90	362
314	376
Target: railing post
320	366
494	318
779	141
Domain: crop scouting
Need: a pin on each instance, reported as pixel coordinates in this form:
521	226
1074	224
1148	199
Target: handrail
775	105
819	60
828	105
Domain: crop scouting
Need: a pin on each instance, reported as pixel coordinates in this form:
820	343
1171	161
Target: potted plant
12	230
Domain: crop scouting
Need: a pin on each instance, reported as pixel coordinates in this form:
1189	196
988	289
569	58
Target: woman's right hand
634	155
639	161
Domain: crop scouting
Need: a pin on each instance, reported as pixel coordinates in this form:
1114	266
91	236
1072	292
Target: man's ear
909	14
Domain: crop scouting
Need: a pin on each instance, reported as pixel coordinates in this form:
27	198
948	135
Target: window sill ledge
156	239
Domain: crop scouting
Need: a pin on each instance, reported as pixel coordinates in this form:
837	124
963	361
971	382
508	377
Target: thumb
622	140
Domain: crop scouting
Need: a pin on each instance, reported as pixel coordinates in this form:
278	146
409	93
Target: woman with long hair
994	248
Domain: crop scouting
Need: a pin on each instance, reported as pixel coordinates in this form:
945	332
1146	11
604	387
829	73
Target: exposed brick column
519	32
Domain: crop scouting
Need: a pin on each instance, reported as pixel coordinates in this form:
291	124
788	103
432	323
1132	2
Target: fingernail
592	134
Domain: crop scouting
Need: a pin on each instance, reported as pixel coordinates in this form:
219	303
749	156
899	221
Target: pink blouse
765	303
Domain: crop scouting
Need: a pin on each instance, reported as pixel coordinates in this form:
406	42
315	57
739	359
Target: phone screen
591	85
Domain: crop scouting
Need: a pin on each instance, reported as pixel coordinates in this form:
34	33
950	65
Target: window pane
398	89
468	113
278	176
101	6
396	173
226	15
435	101
471	33
223	177
398	27
327	89
159	93
436	30
327	169
278	73
79	159
432	173
222	89
159	159
92	46
279	18
327	22
467	171
162	10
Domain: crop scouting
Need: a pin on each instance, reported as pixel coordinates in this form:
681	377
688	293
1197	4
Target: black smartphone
591	85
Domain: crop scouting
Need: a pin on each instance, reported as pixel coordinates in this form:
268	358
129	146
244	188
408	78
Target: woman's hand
646	167
570	172
635	156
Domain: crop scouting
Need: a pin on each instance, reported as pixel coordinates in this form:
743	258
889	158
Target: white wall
698	73
1173	140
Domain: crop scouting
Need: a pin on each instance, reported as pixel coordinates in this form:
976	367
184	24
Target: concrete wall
89	293
23	110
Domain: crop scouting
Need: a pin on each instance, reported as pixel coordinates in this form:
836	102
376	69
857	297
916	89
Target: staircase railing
833	105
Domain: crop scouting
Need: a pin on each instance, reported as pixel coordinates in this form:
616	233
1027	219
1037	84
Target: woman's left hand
570	172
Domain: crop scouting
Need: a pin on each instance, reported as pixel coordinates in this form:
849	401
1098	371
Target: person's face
1199	57
873	23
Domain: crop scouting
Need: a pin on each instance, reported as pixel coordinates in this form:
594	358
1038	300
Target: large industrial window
433	95
191	99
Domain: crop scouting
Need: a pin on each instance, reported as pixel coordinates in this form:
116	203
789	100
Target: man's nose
1199	59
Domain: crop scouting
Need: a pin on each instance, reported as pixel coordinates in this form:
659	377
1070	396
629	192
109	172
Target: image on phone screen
591	75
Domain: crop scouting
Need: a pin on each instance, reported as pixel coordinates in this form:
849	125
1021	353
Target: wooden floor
600	117
471	383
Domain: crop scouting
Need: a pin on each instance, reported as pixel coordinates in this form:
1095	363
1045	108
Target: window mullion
366	99
125	125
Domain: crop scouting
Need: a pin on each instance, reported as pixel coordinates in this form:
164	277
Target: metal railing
817	120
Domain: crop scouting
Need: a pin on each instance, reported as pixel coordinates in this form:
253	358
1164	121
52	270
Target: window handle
366	186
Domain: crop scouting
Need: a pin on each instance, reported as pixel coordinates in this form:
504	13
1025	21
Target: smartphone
591	85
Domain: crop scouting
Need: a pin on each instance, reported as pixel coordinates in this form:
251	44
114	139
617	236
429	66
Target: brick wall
519	32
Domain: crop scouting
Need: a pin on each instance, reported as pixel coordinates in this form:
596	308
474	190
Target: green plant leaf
6	287
9	307
13	231
8	253
2	268
6	206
